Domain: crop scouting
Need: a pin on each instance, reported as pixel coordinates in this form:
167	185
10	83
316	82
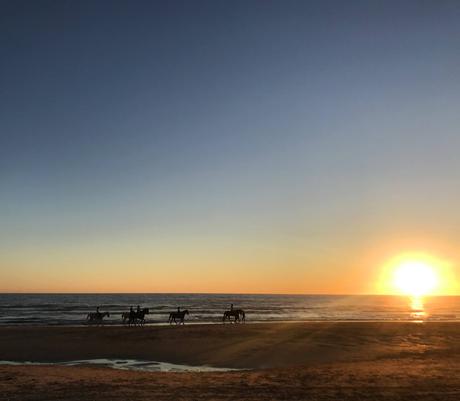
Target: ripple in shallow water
127	364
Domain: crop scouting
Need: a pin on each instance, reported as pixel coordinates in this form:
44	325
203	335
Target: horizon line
220	293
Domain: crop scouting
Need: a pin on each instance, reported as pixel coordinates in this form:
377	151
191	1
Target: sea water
72	309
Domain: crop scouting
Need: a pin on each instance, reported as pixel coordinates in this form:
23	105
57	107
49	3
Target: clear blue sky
278	140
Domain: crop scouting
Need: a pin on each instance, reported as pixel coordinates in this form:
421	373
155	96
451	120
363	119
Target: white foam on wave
127	364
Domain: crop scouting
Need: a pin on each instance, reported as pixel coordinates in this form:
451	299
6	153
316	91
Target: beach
314	361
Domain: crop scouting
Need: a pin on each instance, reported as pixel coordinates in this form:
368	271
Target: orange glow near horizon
204	267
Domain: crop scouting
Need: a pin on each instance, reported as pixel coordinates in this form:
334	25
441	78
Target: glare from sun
415	278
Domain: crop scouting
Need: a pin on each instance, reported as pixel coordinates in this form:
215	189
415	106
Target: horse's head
146	311
186	312
108	314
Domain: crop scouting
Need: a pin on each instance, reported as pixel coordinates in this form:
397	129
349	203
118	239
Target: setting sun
417	274
416	278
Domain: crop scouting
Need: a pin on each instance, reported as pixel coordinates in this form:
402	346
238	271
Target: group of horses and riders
136	317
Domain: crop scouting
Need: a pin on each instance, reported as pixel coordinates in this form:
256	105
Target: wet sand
313	361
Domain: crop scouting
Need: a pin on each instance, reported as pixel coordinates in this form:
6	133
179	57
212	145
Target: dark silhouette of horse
236	313
125	317
96	318
135	318
177	315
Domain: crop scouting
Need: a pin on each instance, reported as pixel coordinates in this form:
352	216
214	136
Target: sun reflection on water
418	312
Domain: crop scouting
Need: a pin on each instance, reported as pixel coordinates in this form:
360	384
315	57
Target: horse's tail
244	315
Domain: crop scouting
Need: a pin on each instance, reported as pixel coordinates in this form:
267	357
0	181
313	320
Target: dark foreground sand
311	361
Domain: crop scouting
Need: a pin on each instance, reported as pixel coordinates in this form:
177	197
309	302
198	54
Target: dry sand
311	361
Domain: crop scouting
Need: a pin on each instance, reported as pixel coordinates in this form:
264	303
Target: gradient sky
225	146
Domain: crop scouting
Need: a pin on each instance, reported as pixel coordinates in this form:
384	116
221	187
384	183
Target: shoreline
253	322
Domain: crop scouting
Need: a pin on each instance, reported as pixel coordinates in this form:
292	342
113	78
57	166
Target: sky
226	146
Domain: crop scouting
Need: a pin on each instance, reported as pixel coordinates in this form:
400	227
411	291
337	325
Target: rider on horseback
178	315
235	313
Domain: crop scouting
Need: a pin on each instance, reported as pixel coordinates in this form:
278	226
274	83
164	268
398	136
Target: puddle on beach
128	364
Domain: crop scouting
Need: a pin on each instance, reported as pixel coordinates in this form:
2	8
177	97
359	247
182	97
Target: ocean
71	309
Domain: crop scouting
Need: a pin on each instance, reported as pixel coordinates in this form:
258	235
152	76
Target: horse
96	317
135	317
125	317
236	314
178	315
